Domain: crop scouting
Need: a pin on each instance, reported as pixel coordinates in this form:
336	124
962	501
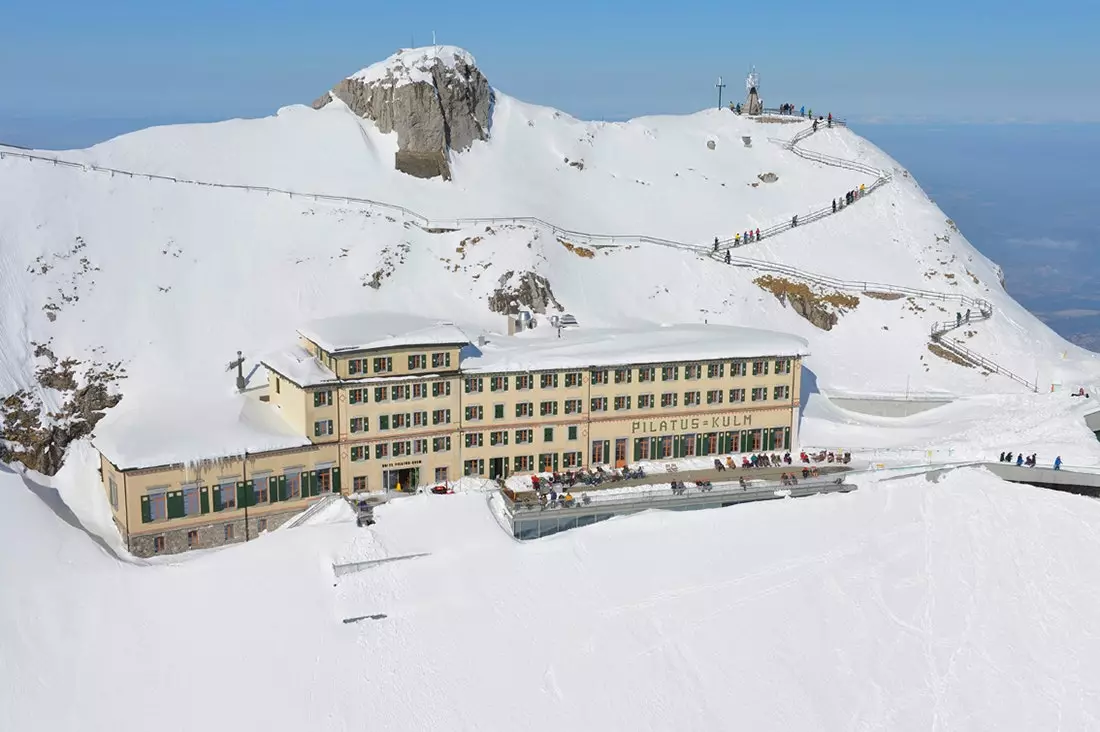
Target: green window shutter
175	504
653	448
384	422
498	411
218	503
336	480
204	499
547	434
677	446
555	461
517	410
146	510
273	489
637	448
316	429
282	488
314	484
242	494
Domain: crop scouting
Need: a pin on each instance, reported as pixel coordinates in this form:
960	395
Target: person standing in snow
1002	456
727	256
1058	463
715	243
758	234
1020	460
737	240
834	205
794	221
968	315
802	111
830	119
958	319
815	125
1008	457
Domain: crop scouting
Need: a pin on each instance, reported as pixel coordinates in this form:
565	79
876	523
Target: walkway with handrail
881	178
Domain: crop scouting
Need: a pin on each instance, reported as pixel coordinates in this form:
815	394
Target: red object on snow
440	490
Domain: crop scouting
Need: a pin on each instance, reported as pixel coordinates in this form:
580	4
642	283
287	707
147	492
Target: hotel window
647	374
714	396
399	421
716	370
441	444
382	450
441	475
473	467
355	366
474	413
641	448
670	373
358	424
664	446
359	484
573	406
599	452
418	361
498	383
693	371
738	368
737	395
441	388
599	404
400	448
523	463
498	411
781	393
571	459
259	490
191	500
621	403
419	390
599	377
525	437
474	385
229	532
548	381
783	366
645	401
381	394
420	419
548	409
399	392
623	376
192	539
759	368
571	432
572	379
294	481
113	490
525	409
669	399
158	544
547	434
441	416
383	421
355	396
691	399
500	437
441	360
225	496
322	398
760	394
475	439
383	365
322	428
524	382
359	453
420	446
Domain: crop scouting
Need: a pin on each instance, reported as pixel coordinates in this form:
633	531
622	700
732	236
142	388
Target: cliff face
435	98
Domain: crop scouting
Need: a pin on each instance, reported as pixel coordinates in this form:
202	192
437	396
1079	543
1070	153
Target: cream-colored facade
382	418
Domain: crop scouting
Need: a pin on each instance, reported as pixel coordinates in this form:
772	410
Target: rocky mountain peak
434	97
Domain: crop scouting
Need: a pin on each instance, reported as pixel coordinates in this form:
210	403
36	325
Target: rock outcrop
531	292
435	98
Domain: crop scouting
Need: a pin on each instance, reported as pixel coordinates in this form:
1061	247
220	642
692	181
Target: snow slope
907	605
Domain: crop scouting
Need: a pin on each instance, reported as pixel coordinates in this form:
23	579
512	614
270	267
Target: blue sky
75	60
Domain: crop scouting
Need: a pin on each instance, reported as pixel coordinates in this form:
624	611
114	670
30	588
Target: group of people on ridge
1029	461
850	197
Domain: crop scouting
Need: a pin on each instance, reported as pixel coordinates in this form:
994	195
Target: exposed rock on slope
531	292
435	98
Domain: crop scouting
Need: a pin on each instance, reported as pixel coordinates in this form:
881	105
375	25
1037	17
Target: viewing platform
531	518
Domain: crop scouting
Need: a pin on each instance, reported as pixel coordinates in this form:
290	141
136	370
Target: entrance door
498	468
405	479
620	452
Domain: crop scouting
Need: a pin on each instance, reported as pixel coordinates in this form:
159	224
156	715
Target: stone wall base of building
206	536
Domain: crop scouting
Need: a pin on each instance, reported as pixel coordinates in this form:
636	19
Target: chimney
481	341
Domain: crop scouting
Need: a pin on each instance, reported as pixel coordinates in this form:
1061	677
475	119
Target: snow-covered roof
411	65
372	331
198	428
299	365
580	348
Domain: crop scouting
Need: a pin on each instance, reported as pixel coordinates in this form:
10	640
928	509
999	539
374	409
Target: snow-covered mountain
171	279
